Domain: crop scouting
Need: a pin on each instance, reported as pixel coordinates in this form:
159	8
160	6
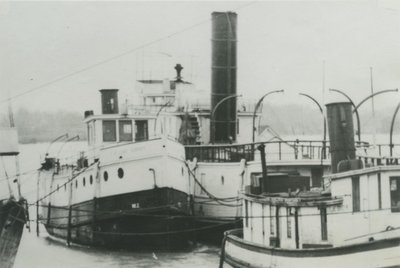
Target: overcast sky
282	45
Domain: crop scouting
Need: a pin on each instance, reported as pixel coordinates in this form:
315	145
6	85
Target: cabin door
316	176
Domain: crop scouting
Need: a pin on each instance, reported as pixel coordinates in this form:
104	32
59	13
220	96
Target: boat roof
363	171
8	142
157	81
295	199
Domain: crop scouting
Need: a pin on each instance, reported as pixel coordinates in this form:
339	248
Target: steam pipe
154	177
391	129
354	109
256	108
322	112
213	112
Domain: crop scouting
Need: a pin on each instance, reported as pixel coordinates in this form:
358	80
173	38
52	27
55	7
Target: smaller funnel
341	133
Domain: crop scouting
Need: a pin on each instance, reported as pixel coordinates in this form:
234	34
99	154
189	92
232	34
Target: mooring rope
213	197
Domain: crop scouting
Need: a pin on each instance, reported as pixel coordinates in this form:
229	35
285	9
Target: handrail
256	143
304	149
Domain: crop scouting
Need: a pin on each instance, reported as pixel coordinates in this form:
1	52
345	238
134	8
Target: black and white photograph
223	134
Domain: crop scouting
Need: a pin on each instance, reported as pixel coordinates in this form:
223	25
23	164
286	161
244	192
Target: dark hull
152	219
12	221
211	230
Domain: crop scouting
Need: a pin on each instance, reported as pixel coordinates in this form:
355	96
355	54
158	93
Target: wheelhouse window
395	194
90	133
141	130
125	130
109	130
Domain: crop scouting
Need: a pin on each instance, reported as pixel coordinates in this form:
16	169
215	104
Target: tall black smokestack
341	133
223	77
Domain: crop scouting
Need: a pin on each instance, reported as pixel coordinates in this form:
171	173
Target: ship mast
17	167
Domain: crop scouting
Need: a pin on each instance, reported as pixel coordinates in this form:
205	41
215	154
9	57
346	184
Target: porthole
84	181
120	173
76	184
105	176
91	179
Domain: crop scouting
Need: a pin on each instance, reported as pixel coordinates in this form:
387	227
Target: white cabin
173	109
363	204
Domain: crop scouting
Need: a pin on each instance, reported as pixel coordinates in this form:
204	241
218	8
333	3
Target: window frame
114	137
122	135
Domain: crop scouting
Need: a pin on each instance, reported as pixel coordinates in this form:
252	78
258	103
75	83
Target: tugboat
129	190
353	222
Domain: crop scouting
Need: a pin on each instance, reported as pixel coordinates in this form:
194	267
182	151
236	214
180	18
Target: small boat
13	207
353	222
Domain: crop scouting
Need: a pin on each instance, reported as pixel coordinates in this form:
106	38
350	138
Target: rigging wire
107	60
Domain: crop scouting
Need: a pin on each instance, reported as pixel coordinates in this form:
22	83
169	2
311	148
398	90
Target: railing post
69	226
37	218
280	150
264	185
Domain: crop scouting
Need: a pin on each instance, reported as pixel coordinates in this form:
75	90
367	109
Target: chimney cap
223	12
337	102
110	90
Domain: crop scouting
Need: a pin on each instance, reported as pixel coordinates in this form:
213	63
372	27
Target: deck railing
275	150
384	149
369	161
379	155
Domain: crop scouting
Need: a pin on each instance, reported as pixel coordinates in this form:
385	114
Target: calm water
44	251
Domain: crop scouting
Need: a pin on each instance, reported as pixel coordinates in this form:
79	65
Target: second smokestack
341	133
